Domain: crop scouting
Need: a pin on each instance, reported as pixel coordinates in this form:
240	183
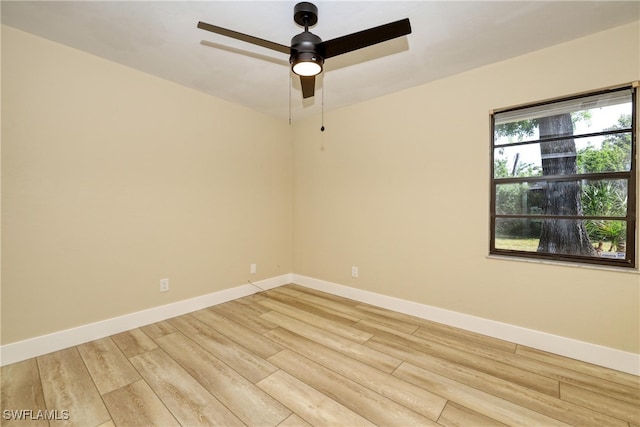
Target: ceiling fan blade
365	38
245	38
308	84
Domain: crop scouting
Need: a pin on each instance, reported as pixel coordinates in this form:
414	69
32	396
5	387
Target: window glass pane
605	153
607	237
592	114
518	161
612	117
520	234
603	197
610	153
520	199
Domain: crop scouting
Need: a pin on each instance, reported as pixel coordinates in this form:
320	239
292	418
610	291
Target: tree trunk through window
561	236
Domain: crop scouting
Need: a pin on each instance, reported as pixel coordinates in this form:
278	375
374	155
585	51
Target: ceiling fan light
306	63
307	68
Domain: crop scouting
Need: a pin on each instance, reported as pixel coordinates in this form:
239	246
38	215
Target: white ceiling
449	37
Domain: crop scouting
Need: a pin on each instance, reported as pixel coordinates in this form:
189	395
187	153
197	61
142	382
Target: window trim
631	176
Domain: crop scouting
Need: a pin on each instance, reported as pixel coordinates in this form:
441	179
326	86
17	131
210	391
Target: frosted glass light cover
307	68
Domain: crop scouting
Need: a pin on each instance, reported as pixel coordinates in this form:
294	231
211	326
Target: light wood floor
297	357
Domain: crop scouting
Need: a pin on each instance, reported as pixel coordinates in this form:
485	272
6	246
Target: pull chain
290	83
322	113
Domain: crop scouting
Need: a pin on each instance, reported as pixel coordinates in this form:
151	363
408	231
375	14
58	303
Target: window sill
566	264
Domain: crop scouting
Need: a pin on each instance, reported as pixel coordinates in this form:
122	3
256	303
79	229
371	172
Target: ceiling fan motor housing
304	47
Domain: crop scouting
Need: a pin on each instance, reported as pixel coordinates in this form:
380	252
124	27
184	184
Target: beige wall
399	186
113	179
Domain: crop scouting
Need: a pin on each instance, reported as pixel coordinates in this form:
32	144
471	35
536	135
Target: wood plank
250	303
367	355
313	319
286	295
578	378
310	291
133	342
288	290
108	367
323	299
187	400
428	329
248	338
362	400
21	391
360	312
312	406
67	386
568	376
540	402
446	340
137	405
251	299
294	421
401	346
248	364
418	400
325	312
622	378
601	403
455	415
245	314
393	319
245	400
158	329
476	400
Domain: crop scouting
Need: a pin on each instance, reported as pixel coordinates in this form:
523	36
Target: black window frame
630	261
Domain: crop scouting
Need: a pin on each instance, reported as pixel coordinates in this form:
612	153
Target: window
563	179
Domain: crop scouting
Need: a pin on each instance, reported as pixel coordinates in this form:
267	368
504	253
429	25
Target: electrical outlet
253	269
354	271
164	285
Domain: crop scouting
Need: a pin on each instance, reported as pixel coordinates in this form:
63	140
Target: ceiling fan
308	52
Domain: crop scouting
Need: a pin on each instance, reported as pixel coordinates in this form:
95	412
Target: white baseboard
580	350
22	350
